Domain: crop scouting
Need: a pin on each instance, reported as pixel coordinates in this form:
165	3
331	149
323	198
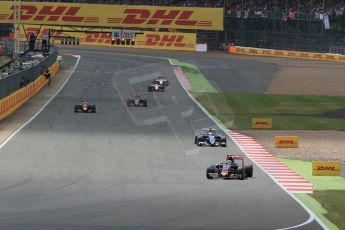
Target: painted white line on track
43	107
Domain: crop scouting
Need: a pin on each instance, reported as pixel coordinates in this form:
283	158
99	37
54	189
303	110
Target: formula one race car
161	81
209	137
84	107
234	168
136	101
156	87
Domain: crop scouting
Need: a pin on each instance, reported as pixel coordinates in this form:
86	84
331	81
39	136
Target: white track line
44	106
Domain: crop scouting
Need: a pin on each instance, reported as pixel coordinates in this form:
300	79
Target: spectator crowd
289	8
240	8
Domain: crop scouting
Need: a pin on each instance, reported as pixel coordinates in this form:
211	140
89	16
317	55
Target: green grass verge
288	112
197	80
304	168
318	210
334	202
328	199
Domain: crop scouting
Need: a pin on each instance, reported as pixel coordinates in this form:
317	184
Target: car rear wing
239	157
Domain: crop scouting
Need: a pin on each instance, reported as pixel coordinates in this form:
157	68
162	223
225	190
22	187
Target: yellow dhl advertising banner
261	123
326	168
286	141
169	41
48	13
287	53
147	39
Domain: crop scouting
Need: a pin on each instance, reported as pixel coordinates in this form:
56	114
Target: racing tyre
198	143
249	170
224	145
208	176
242	175
195	139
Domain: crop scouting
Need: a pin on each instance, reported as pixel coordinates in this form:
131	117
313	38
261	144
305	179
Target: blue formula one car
209	137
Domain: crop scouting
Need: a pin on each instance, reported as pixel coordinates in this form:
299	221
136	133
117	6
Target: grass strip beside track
288	112
197	80
236	110
328	199
318	210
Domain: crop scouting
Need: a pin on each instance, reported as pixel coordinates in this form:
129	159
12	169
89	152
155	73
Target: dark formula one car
84	107
156	87
210	137
136	101
162	81
234	168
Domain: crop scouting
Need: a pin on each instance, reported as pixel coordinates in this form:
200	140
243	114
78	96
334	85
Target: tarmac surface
129	168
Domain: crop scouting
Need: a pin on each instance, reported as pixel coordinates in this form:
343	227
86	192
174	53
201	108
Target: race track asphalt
129	168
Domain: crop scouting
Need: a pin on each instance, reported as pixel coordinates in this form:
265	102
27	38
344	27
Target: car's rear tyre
249	170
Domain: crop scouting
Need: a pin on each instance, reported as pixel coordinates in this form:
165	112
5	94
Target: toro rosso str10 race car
234	168
210	137
84	107
156	87
161	81
136	101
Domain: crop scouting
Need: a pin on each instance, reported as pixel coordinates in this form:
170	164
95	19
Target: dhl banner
146	39
286	141
105	15
326	168
287	53
261	123
170	41
12	102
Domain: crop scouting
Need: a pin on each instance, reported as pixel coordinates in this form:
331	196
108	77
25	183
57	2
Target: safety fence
286	53
13	101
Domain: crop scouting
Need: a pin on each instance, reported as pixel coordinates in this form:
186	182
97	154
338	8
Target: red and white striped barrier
287	178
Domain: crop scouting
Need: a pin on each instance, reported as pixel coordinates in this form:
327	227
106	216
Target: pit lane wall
108	15
286	53
145	39
13	101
